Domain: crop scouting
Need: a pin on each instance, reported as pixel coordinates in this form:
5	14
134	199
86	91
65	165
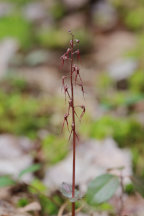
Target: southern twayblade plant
72	54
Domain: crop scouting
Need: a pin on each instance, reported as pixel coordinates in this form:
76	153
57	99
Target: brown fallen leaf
7	209
34	206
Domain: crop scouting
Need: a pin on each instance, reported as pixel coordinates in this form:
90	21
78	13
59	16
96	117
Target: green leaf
37	186
22	202
102	188
17	27
66	190
30	169
134	99
6	181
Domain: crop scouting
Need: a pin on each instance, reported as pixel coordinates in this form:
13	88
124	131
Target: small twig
62	208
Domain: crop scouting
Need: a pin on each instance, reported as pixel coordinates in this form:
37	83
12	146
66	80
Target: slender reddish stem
69	55
74	138
73	209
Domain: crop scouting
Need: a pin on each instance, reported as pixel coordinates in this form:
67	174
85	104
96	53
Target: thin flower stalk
75	79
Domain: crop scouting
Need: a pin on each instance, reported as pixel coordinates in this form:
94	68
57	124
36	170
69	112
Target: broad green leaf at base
102	188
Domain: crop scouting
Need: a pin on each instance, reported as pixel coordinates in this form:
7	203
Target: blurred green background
33	36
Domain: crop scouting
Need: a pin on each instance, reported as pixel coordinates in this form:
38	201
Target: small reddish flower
68	51
77	74
83	111
73	68
73	130
63	58
82	88
70	105
78	54
66	91
65	120
63	81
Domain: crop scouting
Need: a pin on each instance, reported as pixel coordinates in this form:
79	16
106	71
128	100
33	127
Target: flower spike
75	78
